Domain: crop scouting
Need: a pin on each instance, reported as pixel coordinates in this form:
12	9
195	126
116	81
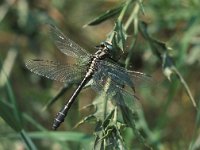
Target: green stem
119	19
133	15
121	15
128	58
30	145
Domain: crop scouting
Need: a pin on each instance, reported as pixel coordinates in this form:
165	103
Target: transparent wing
100	80
116	90
56	71
65	45
130	78
116	73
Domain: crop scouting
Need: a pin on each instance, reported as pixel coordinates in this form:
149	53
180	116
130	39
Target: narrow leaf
28	142
6	112
162	51
105	16
61	136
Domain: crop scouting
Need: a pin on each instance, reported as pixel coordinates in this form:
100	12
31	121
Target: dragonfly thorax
103	51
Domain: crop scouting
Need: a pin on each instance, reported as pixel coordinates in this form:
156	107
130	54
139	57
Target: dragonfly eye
108	45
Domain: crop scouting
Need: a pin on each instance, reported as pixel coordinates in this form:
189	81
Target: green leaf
105	16
120	36
61	136
88	119
162	51
28	142
9	110
6	112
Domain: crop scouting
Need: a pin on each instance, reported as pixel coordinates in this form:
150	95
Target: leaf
9	110
163	52
61	136
195	142
88	119
120	35
6	112
108	135
28	142
105	16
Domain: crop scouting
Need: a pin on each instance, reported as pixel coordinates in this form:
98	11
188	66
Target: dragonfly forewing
56	71
66	45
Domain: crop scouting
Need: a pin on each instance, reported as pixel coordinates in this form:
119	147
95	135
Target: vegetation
160	38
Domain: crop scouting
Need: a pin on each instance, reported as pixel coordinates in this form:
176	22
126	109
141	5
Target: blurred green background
170	118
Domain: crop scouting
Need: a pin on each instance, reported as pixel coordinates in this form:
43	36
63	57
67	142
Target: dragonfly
97	67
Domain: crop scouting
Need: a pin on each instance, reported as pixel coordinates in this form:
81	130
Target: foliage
157	37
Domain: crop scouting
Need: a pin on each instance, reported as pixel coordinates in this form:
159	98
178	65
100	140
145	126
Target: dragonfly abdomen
63	112
60	117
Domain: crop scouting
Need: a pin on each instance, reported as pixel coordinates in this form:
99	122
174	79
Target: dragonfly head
107	45
104	44
104	49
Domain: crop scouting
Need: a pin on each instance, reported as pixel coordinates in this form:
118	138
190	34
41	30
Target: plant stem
133	15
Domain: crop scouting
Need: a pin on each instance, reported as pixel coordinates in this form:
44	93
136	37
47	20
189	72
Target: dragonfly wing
100	81
116	73
115	90
130	78
65	45
140	78
56	71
